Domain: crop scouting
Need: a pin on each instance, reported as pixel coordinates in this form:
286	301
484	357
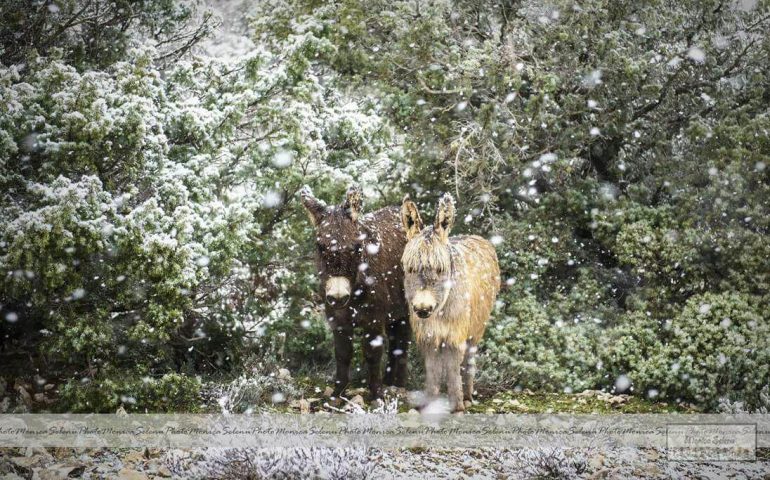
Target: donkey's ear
410	218
354	199
445	216
315	208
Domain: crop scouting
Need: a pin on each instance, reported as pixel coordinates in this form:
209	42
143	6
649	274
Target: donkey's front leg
343	354
433	372
452	360
373	346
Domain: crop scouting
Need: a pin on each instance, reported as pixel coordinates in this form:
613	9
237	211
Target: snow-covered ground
373	464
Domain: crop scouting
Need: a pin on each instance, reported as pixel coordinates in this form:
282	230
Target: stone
302	405
133	457
58	471
358	400
617	399
27	462
284	374
328	392
158	469
11	476
131	474
164	471
24	395
596	462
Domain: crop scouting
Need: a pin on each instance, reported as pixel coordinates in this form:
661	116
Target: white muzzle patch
337	287
424	300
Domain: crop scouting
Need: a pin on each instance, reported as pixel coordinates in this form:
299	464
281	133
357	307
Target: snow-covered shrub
739	407
524	348
147	221
716	347
111	390
263	383
552	462
275	464
521	349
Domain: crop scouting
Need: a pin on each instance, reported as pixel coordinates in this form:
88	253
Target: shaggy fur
453	283
360	255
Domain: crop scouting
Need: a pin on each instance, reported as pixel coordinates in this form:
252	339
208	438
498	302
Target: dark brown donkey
359	262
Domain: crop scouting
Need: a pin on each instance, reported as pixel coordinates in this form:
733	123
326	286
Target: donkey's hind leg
468	373
399	337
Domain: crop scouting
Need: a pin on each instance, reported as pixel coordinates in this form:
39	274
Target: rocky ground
310	398
63	463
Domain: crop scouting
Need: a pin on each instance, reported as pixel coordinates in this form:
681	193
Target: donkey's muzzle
423	312
337	302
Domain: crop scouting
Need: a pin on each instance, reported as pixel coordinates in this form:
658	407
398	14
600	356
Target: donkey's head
340	242
427	261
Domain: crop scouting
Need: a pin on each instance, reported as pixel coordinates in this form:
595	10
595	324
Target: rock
48	387
617	399
412	411
24	395
397	391
58	472
651	470
134	457
130	474
653	455
121	412
61	452
284	374
589	393
27	462
11	476
38	451
596	462
302	405
601	474
328	392
358	400
158	469
164	471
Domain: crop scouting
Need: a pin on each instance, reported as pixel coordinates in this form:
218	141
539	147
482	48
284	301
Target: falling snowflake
622	383
696	54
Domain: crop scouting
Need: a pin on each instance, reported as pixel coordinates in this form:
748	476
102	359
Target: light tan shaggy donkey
451	284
